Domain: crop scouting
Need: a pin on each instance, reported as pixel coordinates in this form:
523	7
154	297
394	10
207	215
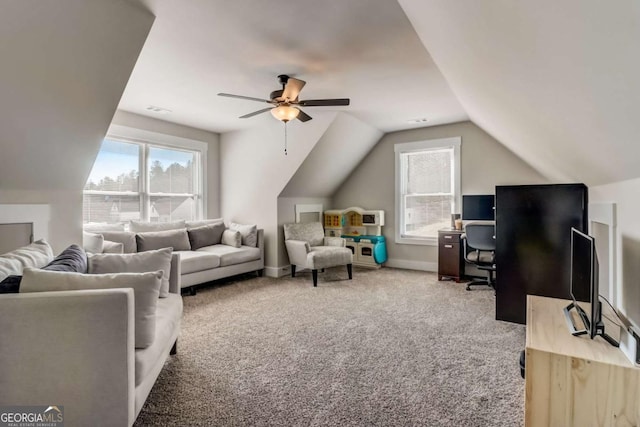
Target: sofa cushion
201	222
146	288
73	259
99	227
230	255
206	235
127	238
249	233
110	247
142	226
194	261
231	238
168	315
176	239
135	263
92	242
36	255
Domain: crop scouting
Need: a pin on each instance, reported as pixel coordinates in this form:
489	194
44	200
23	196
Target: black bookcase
533	243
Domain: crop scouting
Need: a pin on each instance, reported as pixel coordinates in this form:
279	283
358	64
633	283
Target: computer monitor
478	207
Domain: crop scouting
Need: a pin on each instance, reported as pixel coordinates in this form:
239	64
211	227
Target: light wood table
575	381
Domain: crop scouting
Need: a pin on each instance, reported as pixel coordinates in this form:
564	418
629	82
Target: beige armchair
309	248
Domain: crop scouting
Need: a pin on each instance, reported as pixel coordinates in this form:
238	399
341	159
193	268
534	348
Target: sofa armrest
175	275
335	241
297	251
70	348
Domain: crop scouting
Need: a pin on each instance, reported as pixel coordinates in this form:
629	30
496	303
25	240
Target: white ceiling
365	50
557	82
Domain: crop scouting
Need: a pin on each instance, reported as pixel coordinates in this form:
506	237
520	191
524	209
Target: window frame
145	140
454	143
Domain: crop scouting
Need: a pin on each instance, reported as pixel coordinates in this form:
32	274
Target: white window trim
130	134
432	144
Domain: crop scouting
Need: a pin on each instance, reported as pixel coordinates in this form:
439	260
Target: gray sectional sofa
73	340
197	264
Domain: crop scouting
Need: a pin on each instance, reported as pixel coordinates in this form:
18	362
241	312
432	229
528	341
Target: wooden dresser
575	381
450	261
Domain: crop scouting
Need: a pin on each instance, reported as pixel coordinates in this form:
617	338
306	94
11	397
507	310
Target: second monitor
478	207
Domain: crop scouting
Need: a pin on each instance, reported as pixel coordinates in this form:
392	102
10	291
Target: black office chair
480	250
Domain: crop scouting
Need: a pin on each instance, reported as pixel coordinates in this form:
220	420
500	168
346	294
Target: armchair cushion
328	256
297	250
311	232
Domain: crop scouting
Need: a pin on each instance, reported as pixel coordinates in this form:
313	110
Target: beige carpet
389	348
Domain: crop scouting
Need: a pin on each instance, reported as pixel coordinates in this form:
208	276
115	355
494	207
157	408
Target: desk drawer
448	238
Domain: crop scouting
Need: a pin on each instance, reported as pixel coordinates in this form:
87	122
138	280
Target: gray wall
485	164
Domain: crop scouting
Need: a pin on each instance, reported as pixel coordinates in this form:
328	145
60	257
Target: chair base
479	283
314	273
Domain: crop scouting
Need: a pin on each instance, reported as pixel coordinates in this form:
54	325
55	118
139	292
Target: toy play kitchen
362	229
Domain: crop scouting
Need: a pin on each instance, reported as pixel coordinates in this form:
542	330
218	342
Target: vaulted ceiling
365	50
555	82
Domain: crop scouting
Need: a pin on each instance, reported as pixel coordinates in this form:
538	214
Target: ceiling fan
285	102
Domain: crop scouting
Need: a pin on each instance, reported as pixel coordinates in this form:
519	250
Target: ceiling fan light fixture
285	112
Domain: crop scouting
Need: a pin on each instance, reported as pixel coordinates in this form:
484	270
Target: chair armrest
75	348
335	241
175	275
297	251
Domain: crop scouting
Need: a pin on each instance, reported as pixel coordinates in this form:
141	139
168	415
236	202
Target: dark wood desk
450	261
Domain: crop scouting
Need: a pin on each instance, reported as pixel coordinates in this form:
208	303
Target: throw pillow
201	222
36	255
232	238
146	287
206	235
249	233
142	262
176	239
92	242
141	226
73	259
128	239
110	247
10	285
99	227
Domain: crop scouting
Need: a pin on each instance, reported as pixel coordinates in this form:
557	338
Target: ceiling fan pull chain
285	138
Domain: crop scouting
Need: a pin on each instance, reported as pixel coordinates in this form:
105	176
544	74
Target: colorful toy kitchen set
362	229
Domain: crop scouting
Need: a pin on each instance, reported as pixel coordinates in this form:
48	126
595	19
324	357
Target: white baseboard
412	265
277	272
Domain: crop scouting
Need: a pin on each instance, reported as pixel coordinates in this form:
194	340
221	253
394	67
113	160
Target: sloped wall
555	81
485	163
65	65
254	171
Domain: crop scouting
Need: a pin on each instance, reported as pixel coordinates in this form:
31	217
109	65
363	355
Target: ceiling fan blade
303	117
324	102
293	88
255	113
250	98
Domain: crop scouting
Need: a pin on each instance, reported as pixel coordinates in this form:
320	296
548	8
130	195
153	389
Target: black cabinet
450	261
533	243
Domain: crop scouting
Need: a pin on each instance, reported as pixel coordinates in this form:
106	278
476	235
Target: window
427	188
142	181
